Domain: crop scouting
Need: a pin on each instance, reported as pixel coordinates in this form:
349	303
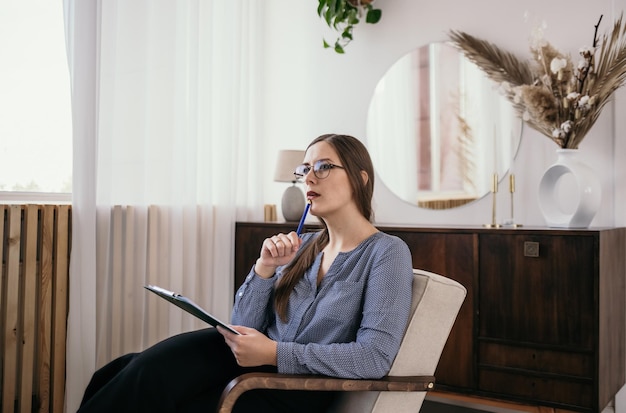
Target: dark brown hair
355	158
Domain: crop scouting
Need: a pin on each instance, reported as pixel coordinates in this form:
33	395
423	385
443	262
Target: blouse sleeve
253	300
253	306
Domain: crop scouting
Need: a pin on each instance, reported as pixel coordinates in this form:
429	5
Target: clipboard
189	306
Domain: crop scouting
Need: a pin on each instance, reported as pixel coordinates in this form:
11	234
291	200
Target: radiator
35	248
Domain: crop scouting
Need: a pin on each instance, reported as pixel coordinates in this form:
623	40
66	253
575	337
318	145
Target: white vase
569	192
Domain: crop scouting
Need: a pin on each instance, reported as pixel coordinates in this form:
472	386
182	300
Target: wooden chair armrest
277	381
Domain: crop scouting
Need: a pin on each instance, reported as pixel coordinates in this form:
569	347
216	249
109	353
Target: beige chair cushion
436	303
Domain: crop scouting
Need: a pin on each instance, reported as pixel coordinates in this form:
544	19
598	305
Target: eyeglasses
321	170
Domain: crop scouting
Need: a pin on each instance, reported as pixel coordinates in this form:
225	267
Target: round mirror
438	129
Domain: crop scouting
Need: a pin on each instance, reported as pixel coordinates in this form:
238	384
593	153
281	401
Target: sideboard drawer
536	359
516	385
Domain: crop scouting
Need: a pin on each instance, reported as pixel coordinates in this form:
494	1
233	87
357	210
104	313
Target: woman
333	302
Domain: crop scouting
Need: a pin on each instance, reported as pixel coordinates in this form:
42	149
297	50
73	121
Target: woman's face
332	193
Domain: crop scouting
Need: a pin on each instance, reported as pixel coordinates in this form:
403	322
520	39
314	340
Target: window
35	104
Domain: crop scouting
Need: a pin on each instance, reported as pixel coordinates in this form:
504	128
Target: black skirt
186	374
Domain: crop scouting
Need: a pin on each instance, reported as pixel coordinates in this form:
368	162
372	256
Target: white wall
311	90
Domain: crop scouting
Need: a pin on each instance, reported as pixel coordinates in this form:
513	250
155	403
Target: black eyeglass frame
321	170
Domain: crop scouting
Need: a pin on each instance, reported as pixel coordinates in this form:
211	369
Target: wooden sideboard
545	316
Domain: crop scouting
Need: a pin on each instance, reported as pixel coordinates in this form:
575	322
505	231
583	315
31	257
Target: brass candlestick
511	222
494	191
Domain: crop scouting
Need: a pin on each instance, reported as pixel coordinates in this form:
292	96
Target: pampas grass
551	94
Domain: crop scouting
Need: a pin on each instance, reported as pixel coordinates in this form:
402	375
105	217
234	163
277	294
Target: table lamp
293	202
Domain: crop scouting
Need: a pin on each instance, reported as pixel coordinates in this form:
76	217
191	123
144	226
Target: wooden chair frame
277	381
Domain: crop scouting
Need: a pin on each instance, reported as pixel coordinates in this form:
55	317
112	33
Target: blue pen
301	224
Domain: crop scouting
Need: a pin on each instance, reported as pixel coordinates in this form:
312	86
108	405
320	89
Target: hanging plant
343	15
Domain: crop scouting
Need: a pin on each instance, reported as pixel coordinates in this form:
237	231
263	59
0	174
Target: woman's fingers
282	245
251	348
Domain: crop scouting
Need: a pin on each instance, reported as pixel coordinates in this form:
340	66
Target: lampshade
292	203
286	164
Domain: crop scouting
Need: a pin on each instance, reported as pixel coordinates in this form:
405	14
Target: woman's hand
251	348
276	251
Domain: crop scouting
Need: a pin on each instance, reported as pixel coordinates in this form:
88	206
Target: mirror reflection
438	129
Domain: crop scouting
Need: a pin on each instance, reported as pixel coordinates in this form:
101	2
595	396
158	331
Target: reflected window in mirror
438	129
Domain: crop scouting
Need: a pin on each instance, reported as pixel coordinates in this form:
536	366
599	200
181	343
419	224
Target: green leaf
352	17
338	48
373	16
329	12
326	45
320	7
340	18
347	33
336	7
327	17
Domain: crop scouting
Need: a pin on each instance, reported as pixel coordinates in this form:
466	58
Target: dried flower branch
549	93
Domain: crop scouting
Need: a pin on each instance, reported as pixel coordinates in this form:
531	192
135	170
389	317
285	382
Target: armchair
436	303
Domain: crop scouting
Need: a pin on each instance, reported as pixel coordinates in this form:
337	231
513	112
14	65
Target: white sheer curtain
165	97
